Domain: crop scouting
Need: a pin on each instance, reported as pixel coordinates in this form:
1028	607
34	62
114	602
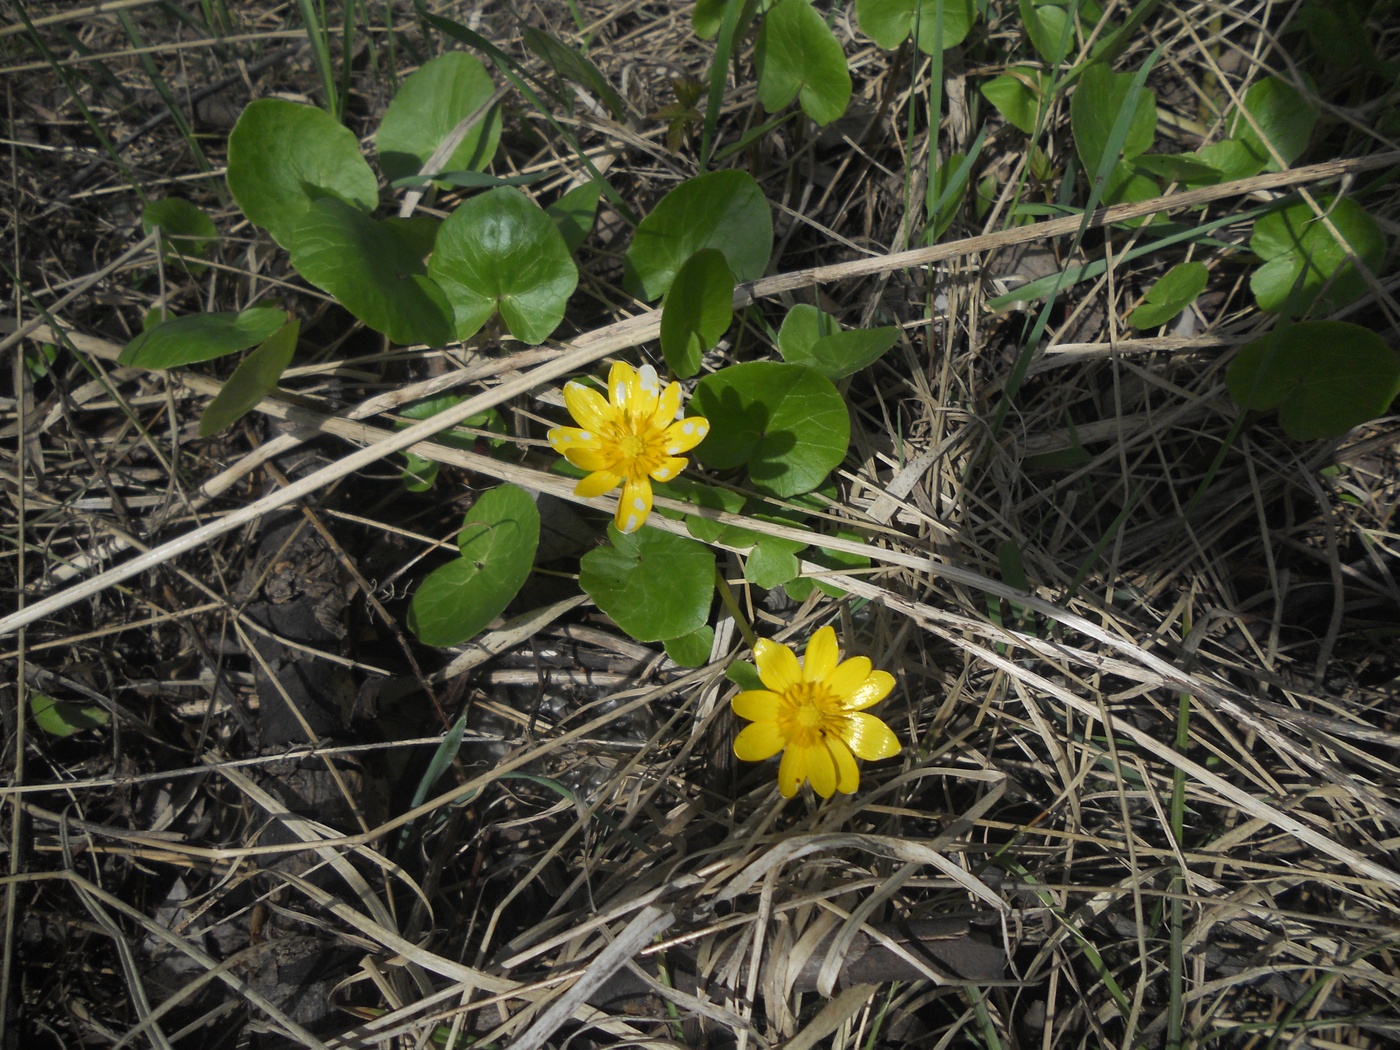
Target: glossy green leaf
63	717
1093	111
801	588
500	251
724	210
1230	157
498	540
576	66
282	156
255	377
798	56
373	270
810	337
429	105
693	649
1285	118
744	674
1177	288
654	585
889	22
574	213
201	337
185	229
1324	377
1301	257
1050	30
1019	95
697	310
772	562
787	423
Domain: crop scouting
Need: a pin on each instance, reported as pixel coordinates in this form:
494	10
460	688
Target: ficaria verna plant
633	438
813	711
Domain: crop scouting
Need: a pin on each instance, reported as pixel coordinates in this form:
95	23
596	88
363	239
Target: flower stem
726	595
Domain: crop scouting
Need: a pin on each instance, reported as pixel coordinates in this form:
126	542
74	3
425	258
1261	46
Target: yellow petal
821	656
669	468
622	384
777	665
869	738
634	506
561	439
591	459
871	691
647	393
684	434
597	483
668	406
849	676
821	769
792	770
588	407
757	741
757	705
847	772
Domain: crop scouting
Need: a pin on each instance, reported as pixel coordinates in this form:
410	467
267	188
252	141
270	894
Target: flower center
637	445
812	711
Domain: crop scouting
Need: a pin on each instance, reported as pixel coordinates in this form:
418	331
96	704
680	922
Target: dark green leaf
653	585
1285	118
1019	95
724	210
574	213
498	541
1301	257
1093	112
499	251
429	105
787	423
697	310
64	718
889	22
255	377
797	55
201	337
1324	377
283	155
810	337
1170	295
572	65
693	649
372	270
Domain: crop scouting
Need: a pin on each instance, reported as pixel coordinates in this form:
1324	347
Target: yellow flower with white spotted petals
631	439
813	711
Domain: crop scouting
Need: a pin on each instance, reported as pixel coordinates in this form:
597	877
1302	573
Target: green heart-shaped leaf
697	311
1093	113
185	229
724	210
889	22
499	251
429	105
787	423
1301	257
255	377
201	337
810	337
1324	377
375	271
1019	96
1170	295
653	585
797	55
1285	118
498	540
282	156
693	649
575	212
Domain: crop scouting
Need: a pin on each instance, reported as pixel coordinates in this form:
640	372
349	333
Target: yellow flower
630	440
814	713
